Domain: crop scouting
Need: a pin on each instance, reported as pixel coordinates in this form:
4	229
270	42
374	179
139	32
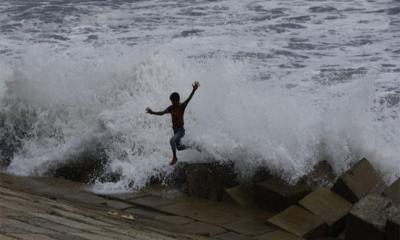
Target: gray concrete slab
152	201
275	194
174	220
278	235
299	222
68	222
231	236
4	237
117	204
92	236
367	219
31	236
15	226
203	229
241	195
144	213
29	215
249	227
85	197
327	205
46	224
202	211
392	230
126	196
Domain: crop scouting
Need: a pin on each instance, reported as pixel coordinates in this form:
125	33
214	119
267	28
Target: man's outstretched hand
195	85
148	110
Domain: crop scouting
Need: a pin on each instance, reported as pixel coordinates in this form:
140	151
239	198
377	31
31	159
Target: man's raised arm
195	86
148	110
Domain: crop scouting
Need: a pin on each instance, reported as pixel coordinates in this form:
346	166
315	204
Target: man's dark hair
174	97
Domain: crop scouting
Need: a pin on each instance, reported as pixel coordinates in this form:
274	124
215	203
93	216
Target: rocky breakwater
206	201
356	205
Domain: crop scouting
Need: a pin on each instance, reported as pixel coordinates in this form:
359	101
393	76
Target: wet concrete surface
57	209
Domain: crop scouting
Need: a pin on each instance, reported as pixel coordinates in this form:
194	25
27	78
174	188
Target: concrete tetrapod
358	181
330	207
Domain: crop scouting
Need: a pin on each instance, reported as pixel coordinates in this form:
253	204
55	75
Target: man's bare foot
174	160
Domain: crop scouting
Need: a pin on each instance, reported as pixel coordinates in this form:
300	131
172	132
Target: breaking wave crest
61	106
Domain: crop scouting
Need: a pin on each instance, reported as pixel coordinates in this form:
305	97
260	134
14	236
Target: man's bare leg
174	158
173	161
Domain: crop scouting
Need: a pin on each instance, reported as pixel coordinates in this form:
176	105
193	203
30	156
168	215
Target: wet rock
275	194
178	177
392	231
261	174
209	180
322	175
367	219
357	182
85	167
300	222
393	192
330	207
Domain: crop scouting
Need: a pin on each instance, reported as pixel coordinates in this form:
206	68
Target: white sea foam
83	97
275	91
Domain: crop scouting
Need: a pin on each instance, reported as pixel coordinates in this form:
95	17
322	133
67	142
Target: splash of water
82	98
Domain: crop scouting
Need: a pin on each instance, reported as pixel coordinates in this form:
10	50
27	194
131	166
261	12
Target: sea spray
283	86
69	102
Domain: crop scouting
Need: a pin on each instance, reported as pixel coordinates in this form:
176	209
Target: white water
256	110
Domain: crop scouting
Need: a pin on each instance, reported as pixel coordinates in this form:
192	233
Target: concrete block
393	192
209	180
241	195
392	230
275	194
358	181
330	207
178	177
300	222
367	218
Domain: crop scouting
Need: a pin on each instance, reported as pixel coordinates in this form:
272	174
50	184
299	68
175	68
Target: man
177	111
